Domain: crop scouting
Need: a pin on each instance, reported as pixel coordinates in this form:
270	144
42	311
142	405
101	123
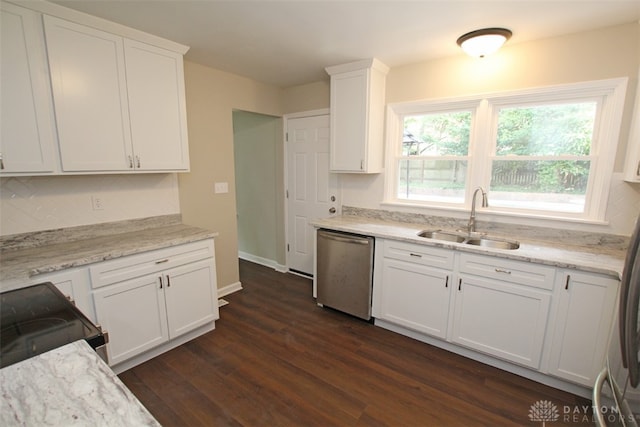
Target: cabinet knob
332	210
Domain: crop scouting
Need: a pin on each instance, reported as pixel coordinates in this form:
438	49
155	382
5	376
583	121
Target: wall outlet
97	203
221	187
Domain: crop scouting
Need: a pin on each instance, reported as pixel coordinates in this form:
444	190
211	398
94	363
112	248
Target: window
544	152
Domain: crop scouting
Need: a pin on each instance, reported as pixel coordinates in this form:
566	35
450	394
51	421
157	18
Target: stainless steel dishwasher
345	272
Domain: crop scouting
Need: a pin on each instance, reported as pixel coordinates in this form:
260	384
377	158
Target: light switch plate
221	187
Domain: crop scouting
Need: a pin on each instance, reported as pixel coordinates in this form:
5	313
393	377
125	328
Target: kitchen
212	94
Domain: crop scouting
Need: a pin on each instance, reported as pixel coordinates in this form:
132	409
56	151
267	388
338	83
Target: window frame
609	93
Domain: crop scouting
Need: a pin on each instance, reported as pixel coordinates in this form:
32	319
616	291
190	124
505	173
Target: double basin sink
483	241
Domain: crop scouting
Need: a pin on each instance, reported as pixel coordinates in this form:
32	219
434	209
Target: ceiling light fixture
483	42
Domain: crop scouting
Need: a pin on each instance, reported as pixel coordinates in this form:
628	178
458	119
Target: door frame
285	124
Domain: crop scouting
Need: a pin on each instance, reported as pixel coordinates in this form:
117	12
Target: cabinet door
134	314
584	316
75	284
191	296
90	97
155	84
501	319
349	99
26	114
415	296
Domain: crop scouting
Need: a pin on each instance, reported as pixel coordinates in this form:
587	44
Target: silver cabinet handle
415	255
566	285
168	281
162	261
160	279
446	282
500	270
130	162
1	162
637	170
138	162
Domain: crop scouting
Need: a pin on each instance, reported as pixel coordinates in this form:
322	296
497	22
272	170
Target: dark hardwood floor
277	359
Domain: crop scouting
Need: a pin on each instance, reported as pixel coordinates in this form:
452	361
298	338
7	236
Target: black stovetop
39	318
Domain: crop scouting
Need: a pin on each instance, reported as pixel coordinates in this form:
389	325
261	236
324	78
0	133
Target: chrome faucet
472	217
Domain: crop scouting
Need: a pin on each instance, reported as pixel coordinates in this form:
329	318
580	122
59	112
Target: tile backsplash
30	204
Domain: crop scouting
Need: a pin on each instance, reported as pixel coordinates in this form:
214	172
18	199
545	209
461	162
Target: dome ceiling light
483	42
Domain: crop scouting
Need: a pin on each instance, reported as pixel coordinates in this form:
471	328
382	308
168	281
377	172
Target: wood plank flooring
277	359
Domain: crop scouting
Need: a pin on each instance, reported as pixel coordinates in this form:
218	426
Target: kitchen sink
491	243
486	242
441	235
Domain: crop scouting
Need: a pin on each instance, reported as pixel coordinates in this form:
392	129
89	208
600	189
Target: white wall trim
263	261
309	113
229	289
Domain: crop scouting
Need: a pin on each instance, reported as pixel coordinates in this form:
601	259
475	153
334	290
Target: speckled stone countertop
598	259
26	255
68	386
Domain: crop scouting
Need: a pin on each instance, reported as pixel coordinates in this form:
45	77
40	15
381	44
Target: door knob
332	210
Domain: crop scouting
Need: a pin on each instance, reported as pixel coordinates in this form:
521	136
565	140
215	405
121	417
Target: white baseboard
229	289
263	261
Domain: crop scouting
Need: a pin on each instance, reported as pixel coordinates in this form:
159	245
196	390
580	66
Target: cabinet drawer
523	273
419	254
117	270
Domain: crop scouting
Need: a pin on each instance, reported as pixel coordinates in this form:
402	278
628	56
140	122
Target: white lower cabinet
74	283
413	294
134	314
553	321
501	319
582	326
146	300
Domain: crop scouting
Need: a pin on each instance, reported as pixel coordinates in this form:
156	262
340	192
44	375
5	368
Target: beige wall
212	96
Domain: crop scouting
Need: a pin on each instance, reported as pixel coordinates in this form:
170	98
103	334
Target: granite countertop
603	260
68	386
31	254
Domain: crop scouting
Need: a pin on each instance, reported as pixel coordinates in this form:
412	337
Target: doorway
259	180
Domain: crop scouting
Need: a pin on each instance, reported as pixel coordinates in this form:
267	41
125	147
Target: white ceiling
287	43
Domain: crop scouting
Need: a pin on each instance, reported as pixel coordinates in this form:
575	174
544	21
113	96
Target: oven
39	318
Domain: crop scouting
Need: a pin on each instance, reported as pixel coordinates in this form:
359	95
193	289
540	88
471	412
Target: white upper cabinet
90	95
82	95
120	104
155	84
27	129
357	116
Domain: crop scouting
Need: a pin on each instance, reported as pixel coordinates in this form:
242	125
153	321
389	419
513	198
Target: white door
311	189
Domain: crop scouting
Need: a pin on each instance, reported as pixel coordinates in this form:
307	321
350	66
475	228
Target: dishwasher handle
343	238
